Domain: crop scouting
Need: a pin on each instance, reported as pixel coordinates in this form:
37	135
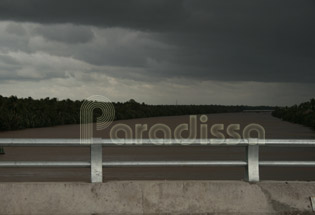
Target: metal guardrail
96	163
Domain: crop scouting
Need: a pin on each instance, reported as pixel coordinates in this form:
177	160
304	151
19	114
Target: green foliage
20	113
302	114
29	113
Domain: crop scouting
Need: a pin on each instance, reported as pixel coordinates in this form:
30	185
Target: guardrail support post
96	162
252	170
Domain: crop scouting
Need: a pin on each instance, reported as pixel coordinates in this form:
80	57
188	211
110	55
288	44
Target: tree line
303	113
21	113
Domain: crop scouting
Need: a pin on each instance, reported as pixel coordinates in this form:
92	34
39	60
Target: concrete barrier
157	197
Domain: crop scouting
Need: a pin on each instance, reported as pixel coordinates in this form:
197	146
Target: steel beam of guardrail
96	163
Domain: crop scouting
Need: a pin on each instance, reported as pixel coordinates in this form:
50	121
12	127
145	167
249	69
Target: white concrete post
96	162
252	170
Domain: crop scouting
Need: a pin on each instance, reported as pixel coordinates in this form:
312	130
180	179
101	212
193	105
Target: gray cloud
66	33
16	28
131	14
264	41
8	67
268	41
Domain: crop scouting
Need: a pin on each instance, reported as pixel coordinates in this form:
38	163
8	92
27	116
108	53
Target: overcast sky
157	52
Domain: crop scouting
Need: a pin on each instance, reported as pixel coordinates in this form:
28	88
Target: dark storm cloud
133	13
199	15
266	41
66	33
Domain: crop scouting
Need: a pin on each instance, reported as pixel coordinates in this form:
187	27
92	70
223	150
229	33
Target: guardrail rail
96	163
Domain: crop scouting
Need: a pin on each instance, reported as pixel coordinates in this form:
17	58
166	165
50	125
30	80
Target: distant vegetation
302	114
20	113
